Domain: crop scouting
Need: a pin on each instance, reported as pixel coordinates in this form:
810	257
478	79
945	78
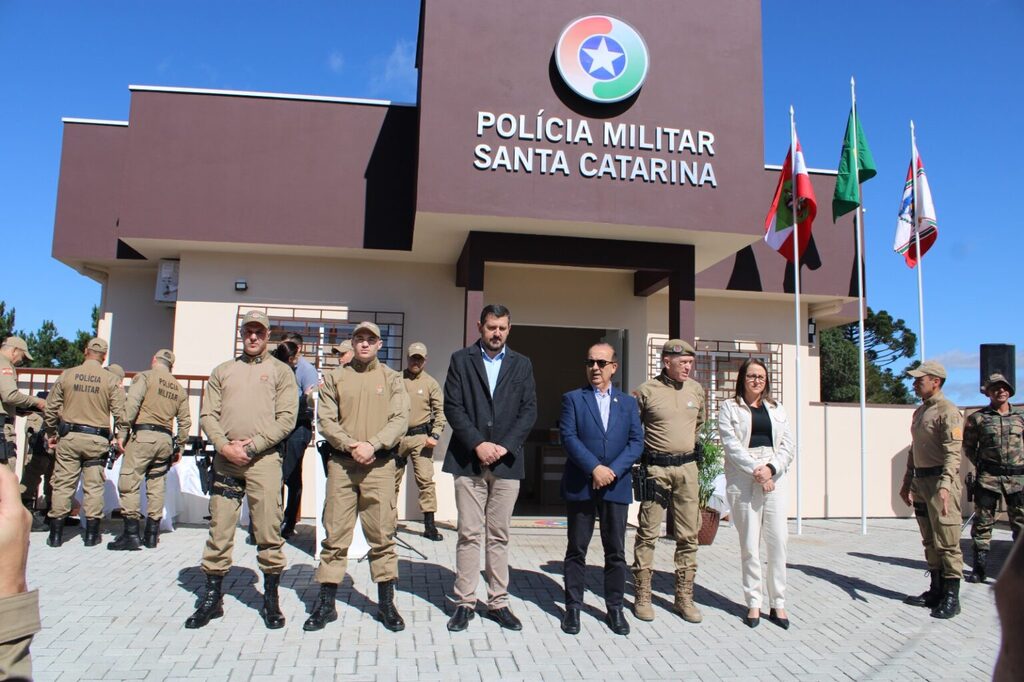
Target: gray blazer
476	417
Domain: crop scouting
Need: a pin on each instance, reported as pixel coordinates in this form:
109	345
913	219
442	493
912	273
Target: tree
886	342
49	348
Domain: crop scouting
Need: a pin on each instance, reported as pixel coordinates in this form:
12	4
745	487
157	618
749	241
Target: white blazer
734	430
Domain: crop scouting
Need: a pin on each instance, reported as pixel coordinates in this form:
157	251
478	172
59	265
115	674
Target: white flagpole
796	312
859	226
917	236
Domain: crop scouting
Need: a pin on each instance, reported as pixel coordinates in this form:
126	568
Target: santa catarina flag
855	154
778	224
917	213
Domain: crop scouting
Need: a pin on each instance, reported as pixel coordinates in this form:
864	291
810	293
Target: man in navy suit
602	436
490	400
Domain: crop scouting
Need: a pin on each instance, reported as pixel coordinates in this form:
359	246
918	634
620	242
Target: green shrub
711	466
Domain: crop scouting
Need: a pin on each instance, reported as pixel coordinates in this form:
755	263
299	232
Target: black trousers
291	469
612	516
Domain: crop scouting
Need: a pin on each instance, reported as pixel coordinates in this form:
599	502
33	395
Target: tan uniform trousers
940	534
148	452
683	483
262	486
414	447
79	453
370	491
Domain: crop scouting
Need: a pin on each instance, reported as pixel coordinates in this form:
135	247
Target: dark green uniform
995	445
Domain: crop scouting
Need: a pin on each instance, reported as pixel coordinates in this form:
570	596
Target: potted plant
708	470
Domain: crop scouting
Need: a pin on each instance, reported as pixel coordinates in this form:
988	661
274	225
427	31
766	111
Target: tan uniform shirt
936	439
671	413
253	398
87	395
156	397
426	401
363	403
10	397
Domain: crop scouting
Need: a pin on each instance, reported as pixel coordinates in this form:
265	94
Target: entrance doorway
557	354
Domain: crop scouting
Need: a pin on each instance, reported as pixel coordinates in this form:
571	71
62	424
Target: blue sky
951	66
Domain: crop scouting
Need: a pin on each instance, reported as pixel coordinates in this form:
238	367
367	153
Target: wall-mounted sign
601	58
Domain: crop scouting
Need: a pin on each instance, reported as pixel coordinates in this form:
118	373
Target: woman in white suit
758	449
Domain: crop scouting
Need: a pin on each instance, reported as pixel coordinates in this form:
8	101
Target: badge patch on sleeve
7	372
958	433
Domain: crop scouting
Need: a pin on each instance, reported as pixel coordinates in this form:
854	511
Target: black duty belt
379	455
419	430
153	427
927	472
91	430
668	459
1000	469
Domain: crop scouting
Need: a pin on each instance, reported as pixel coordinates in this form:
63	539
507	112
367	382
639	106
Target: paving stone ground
119	616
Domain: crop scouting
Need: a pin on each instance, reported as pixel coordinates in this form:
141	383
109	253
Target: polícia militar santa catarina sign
602	59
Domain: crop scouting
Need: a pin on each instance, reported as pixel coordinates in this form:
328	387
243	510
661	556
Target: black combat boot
152	533
430	530
211	606
92	532
386	611
56	538
979	575
325	611
271	611
40	522
950	604
128	541
932	597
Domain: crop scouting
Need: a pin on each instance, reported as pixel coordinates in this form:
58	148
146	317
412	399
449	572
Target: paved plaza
119	616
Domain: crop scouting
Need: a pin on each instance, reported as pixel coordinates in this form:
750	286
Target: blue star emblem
602	57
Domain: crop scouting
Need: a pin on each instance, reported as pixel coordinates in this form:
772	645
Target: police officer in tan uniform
426	423
249	407
672	410
363	413
932	486
13	352
155	400
38	467
81	403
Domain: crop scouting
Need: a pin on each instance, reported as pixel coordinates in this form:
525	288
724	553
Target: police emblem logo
420	392
677	348
380	389
264	378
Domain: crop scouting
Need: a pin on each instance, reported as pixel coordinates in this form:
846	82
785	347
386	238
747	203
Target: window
321	328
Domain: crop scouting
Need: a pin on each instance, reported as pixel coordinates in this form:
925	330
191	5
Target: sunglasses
600	363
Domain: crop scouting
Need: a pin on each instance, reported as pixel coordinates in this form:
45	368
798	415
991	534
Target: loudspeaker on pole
998	358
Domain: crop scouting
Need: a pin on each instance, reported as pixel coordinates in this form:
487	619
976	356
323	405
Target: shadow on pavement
916	564
430	583
851	585
239	583
665	583
593	583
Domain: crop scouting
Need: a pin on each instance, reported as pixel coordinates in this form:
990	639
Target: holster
970	482
204	462
225	486
646	488
7	452
63	429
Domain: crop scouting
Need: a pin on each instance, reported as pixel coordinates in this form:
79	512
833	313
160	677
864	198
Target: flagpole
796	311
859	226
917	235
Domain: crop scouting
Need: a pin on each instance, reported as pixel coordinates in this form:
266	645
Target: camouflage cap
417	348
677	347
342	348
997	378
164	354
928	368
116	370
97	345
367	326
19	343
258	317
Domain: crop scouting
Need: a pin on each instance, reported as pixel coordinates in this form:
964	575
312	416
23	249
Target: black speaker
998	358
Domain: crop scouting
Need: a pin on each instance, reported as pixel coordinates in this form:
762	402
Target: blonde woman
758	449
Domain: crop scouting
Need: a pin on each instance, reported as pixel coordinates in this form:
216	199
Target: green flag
847	196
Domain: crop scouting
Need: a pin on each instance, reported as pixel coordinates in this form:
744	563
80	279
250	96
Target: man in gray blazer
490	401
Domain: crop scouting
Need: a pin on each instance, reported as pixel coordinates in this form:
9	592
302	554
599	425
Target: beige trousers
146	451
73	452
369	491
484	505
422	460
682	482
262	478
940	534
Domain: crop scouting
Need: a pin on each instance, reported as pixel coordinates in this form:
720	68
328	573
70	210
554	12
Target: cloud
395	76
335	61
958	359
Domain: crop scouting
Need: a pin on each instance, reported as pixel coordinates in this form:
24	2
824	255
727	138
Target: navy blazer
475	416
587	444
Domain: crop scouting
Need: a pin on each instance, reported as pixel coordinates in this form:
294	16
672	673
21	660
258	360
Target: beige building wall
134	324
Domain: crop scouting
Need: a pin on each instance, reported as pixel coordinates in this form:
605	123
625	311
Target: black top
760	427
